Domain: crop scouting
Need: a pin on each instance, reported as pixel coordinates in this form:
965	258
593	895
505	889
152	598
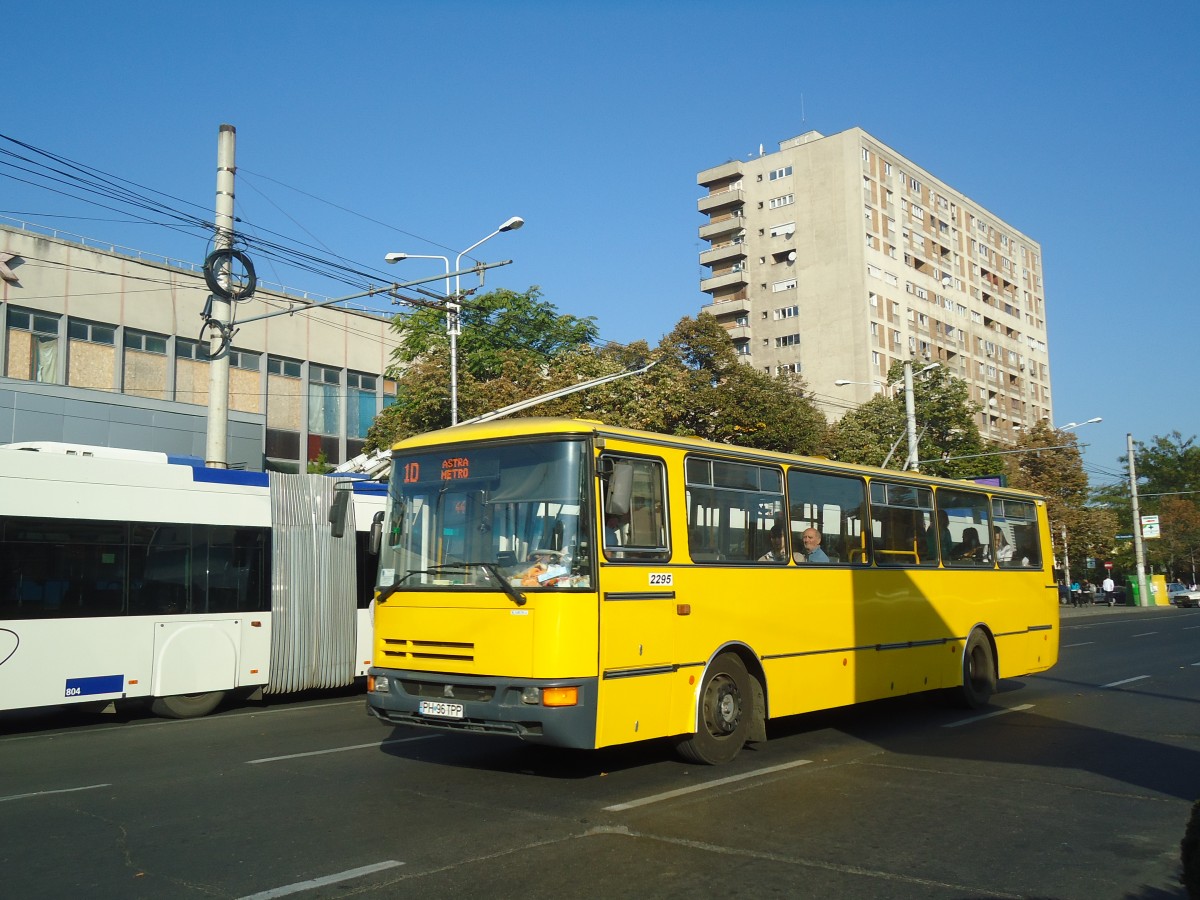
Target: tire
723	716
979	672
186	706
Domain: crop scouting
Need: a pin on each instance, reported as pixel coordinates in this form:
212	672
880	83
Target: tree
493	324
1057	474
698	388
946	428
1168	470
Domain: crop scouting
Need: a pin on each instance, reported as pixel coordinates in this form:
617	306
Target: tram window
1016	521
902	529
836	506
732	508
964	517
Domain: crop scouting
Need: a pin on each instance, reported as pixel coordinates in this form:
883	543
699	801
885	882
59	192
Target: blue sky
424	126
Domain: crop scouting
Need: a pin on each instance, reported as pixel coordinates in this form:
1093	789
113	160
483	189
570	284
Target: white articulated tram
131	575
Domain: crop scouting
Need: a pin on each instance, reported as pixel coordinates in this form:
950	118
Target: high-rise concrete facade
836	256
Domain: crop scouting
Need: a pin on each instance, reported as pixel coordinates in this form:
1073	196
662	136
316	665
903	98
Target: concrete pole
216	448
1066	562
910	412
1139	550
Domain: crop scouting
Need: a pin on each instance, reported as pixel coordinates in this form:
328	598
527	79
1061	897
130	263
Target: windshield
492	517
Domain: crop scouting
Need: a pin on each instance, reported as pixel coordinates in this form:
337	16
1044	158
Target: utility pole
216	448
910	412
1139	550
1066	560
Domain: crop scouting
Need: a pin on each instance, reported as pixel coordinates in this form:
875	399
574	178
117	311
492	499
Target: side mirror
376	533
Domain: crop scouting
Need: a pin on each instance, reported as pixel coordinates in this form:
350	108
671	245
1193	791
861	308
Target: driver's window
633	509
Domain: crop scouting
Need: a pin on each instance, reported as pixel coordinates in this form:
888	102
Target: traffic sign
1108	565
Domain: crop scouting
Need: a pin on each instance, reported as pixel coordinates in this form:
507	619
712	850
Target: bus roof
500	429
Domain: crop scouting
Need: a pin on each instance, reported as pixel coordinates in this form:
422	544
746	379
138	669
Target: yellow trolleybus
579	585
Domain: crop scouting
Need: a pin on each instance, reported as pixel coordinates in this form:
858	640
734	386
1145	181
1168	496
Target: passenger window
964	528
634	509
1015	534
733	509
902	525
826	515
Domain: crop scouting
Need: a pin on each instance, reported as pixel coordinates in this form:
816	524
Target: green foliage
320	465
946	428
1057	474
494	326
1168	470
698	387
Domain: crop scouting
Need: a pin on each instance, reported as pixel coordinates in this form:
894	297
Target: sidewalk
1067	611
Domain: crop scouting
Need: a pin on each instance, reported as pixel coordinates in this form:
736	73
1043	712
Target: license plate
445	710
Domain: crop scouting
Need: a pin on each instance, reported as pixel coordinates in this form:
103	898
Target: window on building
31	341
92	354
785	285
787	312
145	364
324	407
785	200
776	174
787	340
783	230
360	406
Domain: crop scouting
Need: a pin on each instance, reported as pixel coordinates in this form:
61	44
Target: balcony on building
723	252
720	199
727	279
725	308
738	332
724	173
719	227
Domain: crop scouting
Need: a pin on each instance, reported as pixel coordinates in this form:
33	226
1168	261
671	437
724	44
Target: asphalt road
1075	784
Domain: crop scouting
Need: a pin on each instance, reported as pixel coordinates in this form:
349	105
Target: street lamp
1091	421
910	412
453	328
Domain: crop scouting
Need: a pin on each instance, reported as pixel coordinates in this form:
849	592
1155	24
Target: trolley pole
216	447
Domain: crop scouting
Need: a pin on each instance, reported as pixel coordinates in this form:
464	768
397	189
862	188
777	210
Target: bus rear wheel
979	672
186	706
724	714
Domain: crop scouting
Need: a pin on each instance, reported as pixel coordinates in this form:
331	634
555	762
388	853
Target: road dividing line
321	882
1080	644
90	787
1144	633
991	715
1124	681
720	782
267	759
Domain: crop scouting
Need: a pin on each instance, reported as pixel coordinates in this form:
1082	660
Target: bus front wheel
186	706
979	672
724	714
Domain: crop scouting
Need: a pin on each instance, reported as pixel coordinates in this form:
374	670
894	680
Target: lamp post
910	412
1071	425
453	308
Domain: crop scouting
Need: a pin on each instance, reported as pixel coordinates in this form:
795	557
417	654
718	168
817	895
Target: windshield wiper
496	575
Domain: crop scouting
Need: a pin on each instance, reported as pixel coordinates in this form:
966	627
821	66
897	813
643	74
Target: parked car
1181	595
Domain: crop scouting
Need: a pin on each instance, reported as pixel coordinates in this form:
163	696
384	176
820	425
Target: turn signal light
560	696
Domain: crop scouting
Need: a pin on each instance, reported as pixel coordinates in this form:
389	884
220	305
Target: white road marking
991	715
1144	633
1124	681
720	782
90	787
1080	644
321	882
267	759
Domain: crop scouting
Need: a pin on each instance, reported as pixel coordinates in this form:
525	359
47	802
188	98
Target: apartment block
836	256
